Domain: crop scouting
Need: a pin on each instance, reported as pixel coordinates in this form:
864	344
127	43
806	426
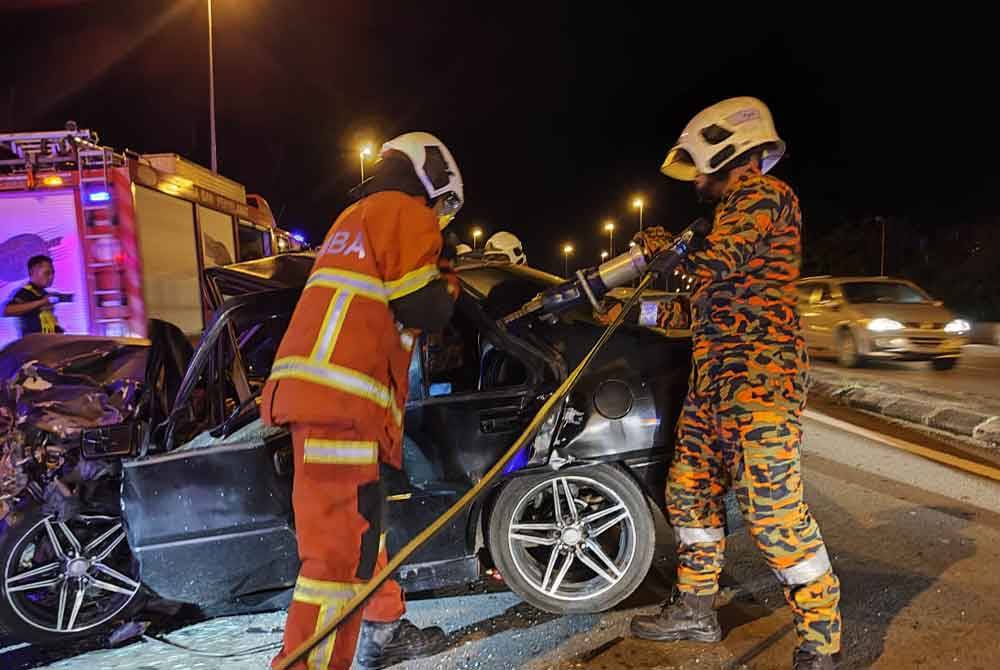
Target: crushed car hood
54	386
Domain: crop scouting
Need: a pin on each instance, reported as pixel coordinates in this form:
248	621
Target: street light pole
211	89
365	152
475	236
610	227
882	264
638	202
567	250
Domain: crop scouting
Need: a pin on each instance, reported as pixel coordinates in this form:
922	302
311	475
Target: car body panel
213	523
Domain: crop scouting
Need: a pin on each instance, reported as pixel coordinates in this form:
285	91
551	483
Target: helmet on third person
720	133
463	249
504	246
437	170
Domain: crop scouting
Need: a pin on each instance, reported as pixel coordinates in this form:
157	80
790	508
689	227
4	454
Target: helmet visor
446	207
679	165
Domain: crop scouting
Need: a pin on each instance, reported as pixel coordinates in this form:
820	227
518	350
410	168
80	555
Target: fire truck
129	234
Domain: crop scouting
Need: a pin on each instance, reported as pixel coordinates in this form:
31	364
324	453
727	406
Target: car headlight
957	327
884	325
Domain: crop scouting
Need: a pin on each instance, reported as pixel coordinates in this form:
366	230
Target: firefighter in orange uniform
340	381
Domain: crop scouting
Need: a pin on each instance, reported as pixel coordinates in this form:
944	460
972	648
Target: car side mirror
123	439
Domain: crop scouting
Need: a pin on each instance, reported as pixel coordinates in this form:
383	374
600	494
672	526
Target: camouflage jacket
745	271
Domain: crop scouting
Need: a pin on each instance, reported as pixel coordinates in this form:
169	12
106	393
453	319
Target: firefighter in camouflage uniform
741	424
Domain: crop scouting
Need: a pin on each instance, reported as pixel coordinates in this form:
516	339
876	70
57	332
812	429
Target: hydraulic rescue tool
591	284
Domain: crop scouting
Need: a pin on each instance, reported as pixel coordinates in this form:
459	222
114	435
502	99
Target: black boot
383	644
809	660
688	617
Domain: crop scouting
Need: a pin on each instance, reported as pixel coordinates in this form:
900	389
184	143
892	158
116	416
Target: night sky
556	114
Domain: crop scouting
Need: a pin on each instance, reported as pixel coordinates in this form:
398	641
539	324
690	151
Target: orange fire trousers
337	498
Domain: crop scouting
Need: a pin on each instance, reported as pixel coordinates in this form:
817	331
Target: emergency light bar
99	196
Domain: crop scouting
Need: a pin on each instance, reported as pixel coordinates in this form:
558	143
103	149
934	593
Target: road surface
978	372
916	545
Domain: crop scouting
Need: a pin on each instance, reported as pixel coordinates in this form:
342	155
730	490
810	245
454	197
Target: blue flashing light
99	196
299	237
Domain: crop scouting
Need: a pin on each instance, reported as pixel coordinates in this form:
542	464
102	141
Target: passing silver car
865	318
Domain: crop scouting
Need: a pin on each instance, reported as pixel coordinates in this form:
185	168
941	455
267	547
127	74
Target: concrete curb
951	415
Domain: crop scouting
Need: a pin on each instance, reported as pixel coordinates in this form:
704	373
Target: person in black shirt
32	304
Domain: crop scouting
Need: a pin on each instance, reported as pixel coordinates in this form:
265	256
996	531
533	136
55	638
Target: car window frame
220	334
486	328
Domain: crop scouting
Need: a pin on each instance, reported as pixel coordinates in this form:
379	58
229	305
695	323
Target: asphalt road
978	372
916	545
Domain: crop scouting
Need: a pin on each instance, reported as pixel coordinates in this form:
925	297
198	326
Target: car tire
28	618
612	530
944	363
847	349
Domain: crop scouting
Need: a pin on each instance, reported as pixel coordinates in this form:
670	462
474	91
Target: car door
208	509
469	401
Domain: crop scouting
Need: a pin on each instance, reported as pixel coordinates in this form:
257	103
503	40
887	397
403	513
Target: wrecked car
142	467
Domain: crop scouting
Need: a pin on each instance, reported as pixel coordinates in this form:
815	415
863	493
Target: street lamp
476	234
639	204
604	256
211	89
365	152
567	250
610	227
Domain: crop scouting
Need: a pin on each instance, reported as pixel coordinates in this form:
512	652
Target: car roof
292	270
263	274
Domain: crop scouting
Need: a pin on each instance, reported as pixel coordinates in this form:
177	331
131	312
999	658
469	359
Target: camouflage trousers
741	428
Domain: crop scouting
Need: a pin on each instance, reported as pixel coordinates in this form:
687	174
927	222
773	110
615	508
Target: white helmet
437	170
504	246
719	134
462	249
